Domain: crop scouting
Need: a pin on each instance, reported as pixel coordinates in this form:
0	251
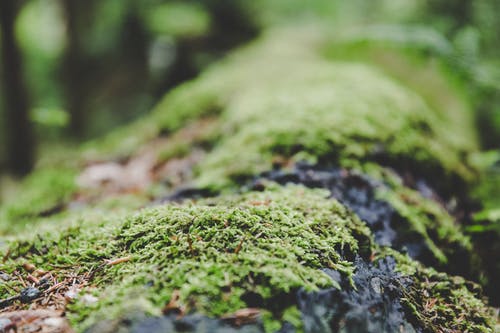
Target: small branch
33	279
57	285
238	248
8	301
112	262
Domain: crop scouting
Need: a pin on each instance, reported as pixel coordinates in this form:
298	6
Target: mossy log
285	189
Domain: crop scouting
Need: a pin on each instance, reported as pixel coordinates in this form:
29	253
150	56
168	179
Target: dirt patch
41	321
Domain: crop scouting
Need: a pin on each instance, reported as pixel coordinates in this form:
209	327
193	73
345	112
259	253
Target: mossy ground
277	101
216	252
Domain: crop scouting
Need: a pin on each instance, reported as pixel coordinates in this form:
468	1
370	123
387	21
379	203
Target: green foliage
39	29
50	117
179	19
41	193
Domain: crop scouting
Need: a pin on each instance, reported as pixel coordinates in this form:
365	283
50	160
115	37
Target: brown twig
190	244
33	279
238	248
111	262
29	267
57	285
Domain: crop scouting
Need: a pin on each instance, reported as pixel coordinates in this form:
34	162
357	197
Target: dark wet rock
373	306
29	294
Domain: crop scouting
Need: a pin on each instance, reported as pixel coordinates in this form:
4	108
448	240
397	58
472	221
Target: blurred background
72	70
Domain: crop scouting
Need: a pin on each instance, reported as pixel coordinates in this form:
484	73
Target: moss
397	215
215	255
398	50
430	220
216	252
43	193
339	111
409	118
440	302
200	133
269	243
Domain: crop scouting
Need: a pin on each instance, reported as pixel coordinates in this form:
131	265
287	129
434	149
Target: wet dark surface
186	193
29	294
374	306
191	323
357	192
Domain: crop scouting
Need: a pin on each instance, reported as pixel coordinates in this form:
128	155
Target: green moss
442	303
43	192
214	255
398	51
216	251
428	219
332	109
347	112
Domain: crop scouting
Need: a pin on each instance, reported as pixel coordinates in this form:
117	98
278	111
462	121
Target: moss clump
214	252
451	302
256	249
397	50
337	111
44	192
443	303
217	252
427	218
397	215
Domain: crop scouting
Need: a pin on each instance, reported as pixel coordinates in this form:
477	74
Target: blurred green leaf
179	19
40	28
50	117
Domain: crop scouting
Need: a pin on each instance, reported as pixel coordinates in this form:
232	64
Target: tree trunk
20	137
74	76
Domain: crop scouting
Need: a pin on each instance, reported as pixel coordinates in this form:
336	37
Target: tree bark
73	71
20	136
